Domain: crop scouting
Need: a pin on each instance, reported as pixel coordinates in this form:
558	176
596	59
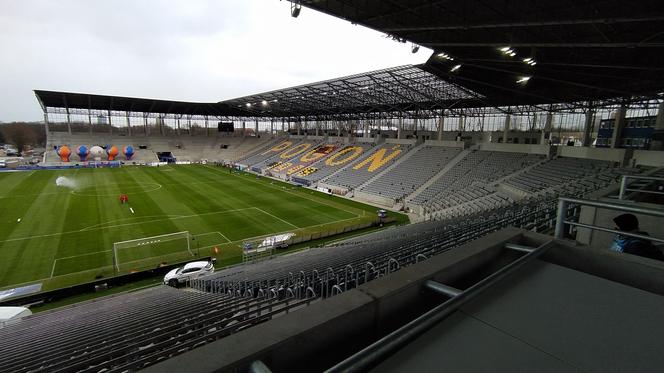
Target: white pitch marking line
122	225
74	256
156	220
276	217
214	232
295	194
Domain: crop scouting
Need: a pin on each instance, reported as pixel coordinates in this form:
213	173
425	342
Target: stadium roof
514	56
69	100
398	89
582	50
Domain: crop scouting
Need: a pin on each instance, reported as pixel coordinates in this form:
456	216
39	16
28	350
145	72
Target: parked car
3	164
190	271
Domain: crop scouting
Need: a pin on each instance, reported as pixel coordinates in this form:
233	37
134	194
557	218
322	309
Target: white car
190	271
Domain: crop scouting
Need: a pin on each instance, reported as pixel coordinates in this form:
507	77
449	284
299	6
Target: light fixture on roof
275	100
264	102
523	80
248	104
295	9
414	48
529	61
508	51
445	56
455	68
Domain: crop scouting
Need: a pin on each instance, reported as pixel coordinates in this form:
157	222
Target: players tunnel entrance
166	157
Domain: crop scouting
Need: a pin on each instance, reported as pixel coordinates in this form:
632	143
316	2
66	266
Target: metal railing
384	347
624	188
564	204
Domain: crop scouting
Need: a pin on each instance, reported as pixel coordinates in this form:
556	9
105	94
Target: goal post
149	252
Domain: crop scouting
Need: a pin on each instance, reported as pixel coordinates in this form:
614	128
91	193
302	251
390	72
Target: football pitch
63	235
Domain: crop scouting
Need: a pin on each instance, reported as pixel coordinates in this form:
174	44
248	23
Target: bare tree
19	134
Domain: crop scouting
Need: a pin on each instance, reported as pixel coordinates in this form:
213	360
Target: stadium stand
367	167
329	270
331	164
558	172
131	331
184	148
411	173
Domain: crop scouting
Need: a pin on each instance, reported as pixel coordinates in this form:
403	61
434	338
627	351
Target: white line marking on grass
295	194
123	225
74	256
276	217
101	225
86	254
213	232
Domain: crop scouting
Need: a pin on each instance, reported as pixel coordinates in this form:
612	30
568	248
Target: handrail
624	188
564	202
382	348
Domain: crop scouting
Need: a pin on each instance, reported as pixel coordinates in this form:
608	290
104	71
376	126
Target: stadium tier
367	167
146	149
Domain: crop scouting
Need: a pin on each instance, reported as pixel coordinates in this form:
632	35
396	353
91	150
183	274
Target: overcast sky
189	50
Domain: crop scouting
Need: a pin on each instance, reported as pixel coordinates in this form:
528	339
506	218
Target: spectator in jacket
632	245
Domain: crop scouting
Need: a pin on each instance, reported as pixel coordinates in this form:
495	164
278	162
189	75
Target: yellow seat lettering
298	149
283	146
341	158
377	160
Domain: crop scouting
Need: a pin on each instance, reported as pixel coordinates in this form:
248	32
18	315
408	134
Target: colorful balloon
82	152
64	153
96	152
128	151
112	152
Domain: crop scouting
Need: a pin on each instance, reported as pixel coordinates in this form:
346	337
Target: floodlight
523	80
295	10
455	68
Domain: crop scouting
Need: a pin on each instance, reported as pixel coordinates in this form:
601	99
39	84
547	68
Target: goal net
150	252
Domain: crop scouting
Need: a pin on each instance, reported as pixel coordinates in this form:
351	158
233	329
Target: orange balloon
64	153
112	152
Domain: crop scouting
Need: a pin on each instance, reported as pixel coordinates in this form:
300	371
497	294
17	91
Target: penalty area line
276	217
74	256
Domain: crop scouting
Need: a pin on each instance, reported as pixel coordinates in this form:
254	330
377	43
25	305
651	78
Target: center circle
110	191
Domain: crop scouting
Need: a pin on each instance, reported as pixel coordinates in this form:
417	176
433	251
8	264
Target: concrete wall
515	148
401	141
340	139
649	158
365	140
374	199
603	154
449	144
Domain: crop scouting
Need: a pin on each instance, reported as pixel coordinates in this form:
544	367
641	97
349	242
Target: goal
150	252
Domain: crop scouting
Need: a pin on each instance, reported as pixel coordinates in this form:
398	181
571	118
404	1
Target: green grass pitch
66	236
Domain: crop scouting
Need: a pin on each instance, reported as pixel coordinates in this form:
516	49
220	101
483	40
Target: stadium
474	213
